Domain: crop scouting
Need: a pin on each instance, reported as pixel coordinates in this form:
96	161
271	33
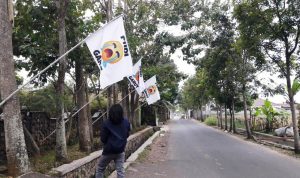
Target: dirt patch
157	151
150	162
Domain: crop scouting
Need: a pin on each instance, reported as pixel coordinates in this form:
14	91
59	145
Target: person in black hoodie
114	133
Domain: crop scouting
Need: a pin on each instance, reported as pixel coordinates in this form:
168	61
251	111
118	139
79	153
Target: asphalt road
198	151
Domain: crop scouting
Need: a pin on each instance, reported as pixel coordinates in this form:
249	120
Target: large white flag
110	51
136	79
151	91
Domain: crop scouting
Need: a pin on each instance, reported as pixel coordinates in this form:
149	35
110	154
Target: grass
46	161
211	121
143	155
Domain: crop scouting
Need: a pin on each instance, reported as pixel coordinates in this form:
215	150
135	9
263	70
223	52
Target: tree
276	23
61	144
141	25
195	93
17	157
85	142
41	47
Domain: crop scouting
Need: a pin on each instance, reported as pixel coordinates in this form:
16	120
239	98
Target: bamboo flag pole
140	106
50	65
75	114
82	108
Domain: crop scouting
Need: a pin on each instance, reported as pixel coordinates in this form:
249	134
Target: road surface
198	151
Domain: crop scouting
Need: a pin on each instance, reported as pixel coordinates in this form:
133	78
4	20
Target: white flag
110	50
151	91
137	80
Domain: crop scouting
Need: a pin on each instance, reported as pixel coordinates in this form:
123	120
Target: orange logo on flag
151	90
112	52
137	76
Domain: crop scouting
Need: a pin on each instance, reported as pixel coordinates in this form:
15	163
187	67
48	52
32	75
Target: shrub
211	121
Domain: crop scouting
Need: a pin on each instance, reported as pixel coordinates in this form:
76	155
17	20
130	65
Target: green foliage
194	93
270	114
35	36
268	110
296	87
100	103
274	25
211	121
141	25
45	99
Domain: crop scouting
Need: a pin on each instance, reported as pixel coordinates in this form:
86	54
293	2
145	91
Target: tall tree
195	93
61	145
277	24
16	152
85	143
40	45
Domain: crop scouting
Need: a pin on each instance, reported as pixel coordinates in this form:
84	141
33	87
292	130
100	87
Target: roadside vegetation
231	45
211	121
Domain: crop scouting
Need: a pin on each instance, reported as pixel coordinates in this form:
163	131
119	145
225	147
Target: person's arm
104	132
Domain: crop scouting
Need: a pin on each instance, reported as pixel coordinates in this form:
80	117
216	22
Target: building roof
260	102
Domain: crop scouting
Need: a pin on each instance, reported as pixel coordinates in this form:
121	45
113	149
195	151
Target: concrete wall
86	167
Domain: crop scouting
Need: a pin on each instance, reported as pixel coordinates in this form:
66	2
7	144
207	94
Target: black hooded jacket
114	136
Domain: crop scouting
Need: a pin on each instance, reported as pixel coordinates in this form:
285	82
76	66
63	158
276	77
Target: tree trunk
83	119
221	117
248	131
294	119
32	141
89	113
201	113
115	93
61	146
133	105
96	91
16	153
125	101
138	116
218	118
233	118
226	127
230	126
251	118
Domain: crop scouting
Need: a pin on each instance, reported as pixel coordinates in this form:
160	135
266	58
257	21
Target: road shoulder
150	162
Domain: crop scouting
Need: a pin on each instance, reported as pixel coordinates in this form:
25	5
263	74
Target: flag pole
140	106
52	64
82	108
89	101
40	73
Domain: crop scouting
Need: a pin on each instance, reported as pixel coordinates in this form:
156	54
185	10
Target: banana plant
267	110
296	86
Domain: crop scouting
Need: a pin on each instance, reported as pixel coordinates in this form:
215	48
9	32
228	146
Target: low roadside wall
86	167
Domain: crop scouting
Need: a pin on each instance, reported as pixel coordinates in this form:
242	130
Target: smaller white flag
137	80
151	92
110	51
